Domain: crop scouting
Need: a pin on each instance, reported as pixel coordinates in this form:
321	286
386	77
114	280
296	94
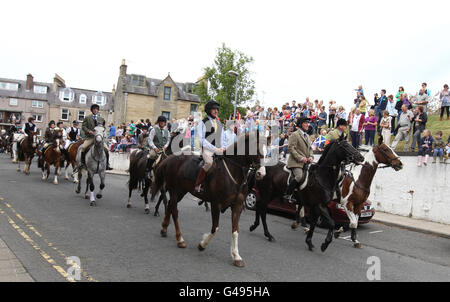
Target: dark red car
337	210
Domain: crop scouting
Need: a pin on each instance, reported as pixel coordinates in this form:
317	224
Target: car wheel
250	201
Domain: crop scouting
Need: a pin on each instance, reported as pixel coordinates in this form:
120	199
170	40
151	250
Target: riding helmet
302	119
95	106
75	122
161	118
341	122
51	122
211	105
31	119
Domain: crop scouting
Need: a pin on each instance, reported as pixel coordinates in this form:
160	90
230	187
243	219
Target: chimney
58	82
29	84
123	69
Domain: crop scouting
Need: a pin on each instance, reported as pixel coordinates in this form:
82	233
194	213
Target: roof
76	101
22	93
152	88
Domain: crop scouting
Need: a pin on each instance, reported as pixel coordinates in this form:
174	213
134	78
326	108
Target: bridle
387	156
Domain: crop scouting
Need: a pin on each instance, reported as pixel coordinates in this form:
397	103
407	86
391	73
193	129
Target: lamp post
236	75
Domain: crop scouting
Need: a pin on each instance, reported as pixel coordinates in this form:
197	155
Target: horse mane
325	151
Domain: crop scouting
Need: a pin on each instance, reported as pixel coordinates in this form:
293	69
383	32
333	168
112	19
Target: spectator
119	133
356	128
385	125
419	124
426	90
331	114
283	145
390	107
229	135
438	147
142	137
132	128
447	150
380	107
445	102
403	128
426	144
112	130
376	101
123	144
360	90
406	101
421	100
370	125
322	119
363	105
357	101
294	106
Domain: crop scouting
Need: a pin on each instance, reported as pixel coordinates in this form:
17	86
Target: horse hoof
156	214
238	263
357	245
306	230
323	247
310	246
129	206
55	182
294	225
77	191
163	233
252	228
200	248
75	181
92	203
99	196
147	211
86	197
270	238
66	178
336	235
181	245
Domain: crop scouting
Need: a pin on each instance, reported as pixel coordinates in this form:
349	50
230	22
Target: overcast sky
320	49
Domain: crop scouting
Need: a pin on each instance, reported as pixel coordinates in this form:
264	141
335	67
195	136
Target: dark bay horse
356	188
52	156
25	149
225	186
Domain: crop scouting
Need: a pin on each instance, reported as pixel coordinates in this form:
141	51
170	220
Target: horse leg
235	215
55	181
303	219
66	175
166	220
91	189
326	214
79	176
130	190
161	198
86	196
180	240
256	223
102	184
47	168
264	222
206	207
145	194
296	222
215	215
314	217
356	243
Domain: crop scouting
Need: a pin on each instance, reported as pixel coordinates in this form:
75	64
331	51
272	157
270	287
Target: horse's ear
380	140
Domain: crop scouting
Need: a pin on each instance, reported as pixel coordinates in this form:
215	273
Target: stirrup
289	198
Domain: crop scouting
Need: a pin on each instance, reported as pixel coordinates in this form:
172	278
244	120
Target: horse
95	164
356	192
24	150
225	186
52	156
71	159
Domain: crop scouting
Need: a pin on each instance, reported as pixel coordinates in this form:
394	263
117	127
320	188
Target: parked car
336	209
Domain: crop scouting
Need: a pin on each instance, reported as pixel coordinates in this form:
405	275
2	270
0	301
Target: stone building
139	97
21	99
71	104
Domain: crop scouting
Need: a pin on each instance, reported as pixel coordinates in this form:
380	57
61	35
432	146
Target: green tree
222	85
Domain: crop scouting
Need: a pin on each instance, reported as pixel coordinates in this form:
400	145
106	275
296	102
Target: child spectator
438	147
426	143
385	125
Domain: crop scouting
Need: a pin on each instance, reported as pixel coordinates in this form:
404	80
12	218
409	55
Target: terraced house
21	99
139	97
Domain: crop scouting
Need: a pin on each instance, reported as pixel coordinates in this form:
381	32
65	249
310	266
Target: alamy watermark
374	271
74	270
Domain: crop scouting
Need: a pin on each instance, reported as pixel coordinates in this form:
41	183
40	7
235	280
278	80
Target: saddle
193	167
304	180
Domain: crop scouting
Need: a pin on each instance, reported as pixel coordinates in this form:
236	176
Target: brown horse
25	150
355	192
52	156
225	186
71	159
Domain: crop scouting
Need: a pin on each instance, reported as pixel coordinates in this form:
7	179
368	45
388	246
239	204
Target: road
43	223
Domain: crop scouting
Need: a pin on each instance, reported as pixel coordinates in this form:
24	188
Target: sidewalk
417	225
11	270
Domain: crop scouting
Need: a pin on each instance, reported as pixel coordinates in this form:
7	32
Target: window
99	98
9	86
194	109
37	104
167	93
83	99
40	89
166	114
137	80
37	117
81	115
66	95
13	102
65	114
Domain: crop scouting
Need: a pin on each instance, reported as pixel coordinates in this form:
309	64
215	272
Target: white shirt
355	123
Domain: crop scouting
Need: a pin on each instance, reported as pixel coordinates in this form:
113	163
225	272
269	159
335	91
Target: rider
158	140
211	137
88	126
73	134
300	153
48	137
29	126
335	134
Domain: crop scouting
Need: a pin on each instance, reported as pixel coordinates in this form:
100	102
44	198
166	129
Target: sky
317	49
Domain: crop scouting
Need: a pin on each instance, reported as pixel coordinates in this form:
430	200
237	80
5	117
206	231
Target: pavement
45	224
11	269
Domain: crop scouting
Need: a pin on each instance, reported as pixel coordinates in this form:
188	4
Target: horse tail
158	179
133	171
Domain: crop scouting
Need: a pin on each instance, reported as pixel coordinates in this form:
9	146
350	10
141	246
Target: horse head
340	151
385	155
99	134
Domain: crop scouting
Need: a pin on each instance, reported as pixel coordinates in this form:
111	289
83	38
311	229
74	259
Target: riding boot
200	178
290	190
108	167
83	159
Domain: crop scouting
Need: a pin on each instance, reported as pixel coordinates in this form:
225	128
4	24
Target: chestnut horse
225	186
52	156
71	159
25	150
356	189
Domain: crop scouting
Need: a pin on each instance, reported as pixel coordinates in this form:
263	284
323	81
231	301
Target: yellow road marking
46	256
